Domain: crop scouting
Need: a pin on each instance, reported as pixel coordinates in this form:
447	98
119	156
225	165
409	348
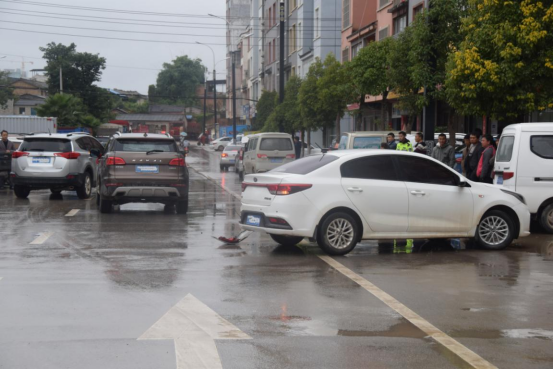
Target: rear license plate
41	160
147	169
232	160
253	220
499	179
276	160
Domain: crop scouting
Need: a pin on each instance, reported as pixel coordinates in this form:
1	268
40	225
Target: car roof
370	133
530	127
270	134
369	152
68	136
143	135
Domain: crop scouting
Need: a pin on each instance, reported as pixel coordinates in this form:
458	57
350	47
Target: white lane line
470	357
42	238
72	213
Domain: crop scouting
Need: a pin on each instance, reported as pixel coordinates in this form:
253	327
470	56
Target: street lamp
214	90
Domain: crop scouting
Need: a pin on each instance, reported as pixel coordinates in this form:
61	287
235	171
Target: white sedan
220	143
347	196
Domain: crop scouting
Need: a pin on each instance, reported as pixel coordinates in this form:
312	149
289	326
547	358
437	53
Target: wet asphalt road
93	283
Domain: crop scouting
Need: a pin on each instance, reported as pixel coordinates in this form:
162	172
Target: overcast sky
124	58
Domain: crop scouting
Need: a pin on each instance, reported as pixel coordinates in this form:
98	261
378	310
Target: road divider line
41	238
467	355
72	213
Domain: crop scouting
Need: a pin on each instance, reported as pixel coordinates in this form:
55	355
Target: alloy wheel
493	230
340	233
87	185
550	218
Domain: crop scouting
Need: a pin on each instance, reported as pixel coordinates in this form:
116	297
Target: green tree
503	68
264	108
287	113
6	92
69	110
370	74
178	80
311	109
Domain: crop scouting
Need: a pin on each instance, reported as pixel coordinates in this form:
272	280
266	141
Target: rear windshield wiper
152	151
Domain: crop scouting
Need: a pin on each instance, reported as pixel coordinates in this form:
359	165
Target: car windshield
145	145
306	165
367	142
46	144
274	143
233	148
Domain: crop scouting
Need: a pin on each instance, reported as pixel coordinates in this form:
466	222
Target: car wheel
220	148
106	206
21	192
546	218
169	208
182	207
338	234
495	231
85	191
286	240
55	192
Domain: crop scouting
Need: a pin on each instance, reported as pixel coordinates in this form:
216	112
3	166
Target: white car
228	156
347	196
220	143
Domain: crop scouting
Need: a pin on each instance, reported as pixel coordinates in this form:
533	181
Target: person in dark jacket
297	147
391	138
445	152
473	156
486	162
420	146
6	146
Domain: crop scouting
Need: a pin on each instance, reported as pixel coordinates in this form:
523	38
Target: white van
524	163
266	151
363	139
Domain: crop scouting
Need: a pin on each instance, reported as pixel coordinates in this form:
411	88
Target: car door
373	186
248	156
436	202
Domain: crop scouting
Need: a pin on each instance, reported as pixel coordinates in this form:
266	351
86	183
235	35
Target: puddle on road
535	244
504	333
403	329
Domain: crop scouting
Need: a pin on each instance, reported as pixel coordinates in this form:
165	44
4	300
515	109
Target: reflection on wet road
85	294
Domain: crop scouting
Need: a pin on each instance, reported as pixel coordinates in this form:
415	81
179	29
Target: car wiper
152	151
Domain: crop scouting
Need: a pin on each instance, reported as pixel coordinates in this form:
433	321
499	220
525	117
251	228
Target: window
299	71
417	10
317	24
300	37
274	14
345	14
400	23
84	144
345	55
367	142
420	170
505	149
270	17
274	49
46	144
380	167
383	33
355	49
269	56
33	111
290	48
22	111
382	3
542	146
306	165
145	145
294	48
271	144
343	143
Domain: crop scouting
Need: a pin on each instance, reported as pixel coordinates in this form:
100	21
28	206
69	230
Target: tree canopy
178	80
264	108
69	110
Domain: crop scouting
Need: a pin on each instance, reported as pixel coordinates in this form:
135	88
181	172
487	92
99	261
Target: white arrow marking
42	238
72	213
194	327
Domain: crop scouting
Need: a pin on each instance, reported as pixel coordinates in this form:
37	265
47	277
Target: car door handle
418	193
355	189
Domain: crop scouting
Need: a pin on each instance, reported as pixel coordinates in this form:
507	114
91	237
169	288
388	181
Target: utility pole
205	106
215	102
281	67
233	98
61	82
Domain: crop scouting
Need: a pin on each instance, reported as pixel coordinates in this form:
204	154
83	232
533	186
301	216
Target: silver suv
57	162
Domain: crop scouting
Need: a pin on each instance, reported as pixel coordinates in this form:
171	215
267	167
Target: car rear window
367	142
274	143
505	149
306	165
46	144
144	145
542	146
233	148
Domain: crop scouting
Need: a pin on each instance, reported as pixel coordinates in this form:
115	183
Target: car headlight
517	195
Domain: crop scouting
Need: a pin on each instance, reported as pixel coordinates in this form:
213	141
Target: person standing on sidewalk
444	152
6	146
465	154
297	147
485	164
420	146
471	162
391	138
404	144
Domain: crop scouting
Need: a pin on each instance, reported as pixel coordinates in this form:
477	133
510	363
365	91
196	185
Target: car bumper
524	217
71	180
148	194
225	161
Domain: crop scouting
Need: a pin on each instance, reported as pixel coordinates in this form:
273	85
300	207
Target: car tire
287	241
220	148
222	168
55	192
106	206
85	191
495	230
21	192
546	218
330	237
182	207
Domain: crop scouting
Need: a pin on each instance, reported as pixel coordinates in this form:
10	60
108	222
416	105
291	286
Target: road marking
231	192
42	238
470	357
72	213
194	327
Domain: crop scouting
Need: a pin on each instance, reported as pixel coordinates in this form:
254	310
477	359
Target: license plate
499	179
232	160
147	169
253	220
41	160
276	160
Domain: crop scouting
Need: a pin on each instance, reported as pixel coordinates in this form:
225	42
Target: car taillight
279	190
114	160
278	221
291	156
68	155
18	154
508	175
177	162
224	155
262	156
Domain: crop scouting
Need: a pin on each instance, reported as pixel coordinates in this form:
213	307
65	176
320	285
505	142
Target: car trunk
146	169
256	188
276	149
45	155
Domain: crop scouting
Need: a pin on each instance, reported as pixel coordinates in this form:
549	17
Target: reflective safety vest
404	146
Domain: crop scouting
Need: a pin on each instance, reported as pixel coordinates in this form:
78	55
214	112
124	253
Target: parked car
363	140
57	162
524	163
378	194
228	156
266	151
220	143
146	168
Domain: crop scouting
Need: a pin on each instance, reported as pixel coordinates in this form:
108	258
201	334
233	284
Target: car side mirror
95	153
464	184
